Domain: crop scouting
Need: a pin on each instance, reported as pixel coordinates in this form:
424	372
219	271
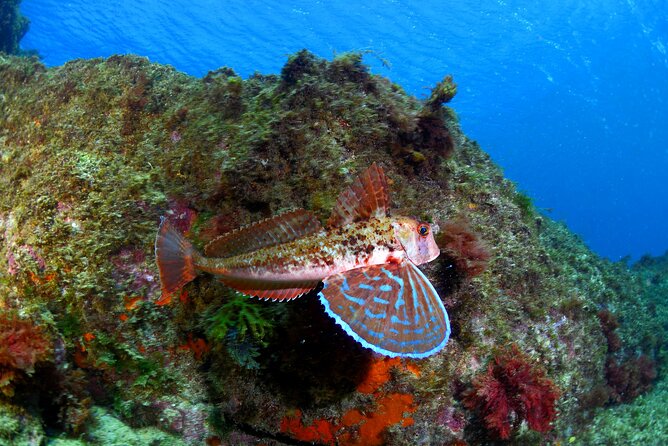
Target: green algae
644	421
109	430
241	314
18	427
442	93
95	151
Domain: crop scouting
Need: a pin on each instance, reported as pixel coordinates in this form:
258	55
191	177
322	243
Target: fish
366	260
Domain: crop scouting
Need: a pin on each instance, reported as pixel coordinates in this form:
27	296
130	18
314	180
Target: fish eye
423	229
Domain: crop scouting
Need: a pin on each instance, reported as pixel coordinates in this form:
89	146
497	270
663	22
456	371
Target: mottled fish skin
364	243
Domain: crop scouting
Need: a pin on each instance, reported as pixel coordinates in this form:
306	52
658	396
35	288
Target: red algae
22	345
512	390
468	252
181	216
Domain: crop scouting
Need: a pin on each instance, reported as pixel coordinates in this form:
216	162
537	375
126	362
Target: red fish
365	258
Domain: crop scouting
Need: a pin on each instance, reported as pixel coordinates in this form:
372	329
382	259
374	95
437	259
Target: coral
510	391
463	247
22	346
629	376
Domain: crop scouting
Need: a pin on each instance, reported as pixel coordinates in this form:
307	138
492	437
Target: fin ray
392	309
265	233
269	290
367	197
175	258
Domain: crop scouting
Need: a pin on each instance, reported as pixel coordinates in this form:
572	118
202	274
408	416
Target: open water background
569	97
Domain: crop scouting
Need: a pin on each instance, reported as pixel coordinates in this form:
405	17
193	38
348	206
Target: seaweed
22	346
513	390
241	314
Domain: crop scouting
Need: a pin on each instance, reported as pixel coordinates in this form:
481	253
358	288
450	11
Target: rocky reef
94	152
13	26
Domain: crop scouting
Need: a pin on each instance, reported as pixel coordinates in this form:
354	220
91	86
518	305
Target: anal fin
270	290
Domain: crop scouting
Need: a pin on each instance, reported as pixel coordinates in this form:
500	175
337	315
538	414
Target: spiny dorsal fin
367	197
270	232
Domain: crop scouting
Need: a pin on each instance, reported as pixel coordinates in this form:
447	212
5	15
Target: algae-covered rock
110	431
18	427
94	152
644	421
13	26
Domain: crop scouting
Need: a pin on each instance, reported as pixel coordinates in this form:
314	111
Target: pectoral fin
392	309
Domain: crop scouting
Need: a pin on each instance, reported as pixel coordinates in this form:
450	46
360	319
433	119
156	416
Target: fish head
417	239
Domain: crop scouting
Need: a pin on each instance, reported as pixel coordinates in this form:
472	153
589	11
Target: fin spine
367	197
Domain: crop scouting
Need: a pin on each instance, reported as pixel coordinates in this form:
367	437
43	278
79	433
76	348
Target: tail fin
174	256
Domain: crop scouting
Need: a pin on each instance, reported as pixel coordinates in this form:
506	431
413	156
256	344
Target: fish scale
313	257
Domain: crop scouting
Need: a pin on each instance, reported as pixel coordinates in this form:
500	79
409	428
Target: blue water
569	97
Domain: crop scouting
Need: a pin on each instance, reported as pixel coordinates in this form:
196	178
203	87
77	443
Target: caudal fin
174	256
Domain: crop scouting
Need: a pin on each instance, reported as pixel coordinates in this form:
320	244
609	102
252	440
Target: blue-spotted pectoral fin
392	309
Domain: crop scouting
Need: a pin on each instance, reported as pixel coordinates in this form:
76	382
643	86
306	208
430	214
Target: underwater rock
94	152
18	427
13	26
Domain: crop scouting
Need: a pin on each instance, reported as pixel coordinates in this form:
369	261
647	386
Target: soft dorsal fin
367	197
270	232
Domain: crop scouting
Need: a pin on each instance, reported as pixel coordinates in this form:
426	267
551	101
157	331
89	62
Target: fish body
365	258
314	257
